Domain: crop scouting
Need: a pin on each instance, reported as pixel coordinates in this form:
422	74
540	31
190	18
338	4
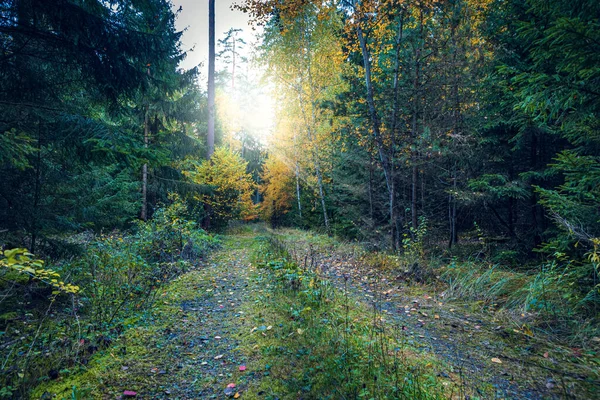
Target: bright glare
262	119
246	111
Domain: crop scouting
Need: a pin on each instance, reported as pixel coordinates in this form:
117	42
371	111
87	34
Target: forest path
185	346
210	326
204	332
492	353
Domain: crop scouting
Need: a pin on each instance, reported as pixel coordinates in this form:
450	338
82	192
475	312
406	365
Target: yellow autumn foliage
232	187
22	261
277	187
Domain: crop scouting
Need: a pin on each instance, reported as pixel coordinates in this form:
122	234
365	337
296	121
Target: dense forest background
460	133
472	125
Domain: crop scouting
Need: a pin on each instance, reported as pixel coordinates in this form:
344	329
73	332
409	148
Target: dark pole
211	78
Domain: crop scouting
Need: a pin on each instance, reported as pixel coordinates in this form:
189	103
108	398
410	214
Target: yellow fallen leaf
300	331
236	396
527	330
436	316
496	360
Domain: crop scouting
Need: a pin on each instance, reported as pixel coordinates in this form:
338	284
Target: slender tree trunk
144	213
450	220
414	133
210	140
322	196
233	65
415	171
394	231
371	214
413	203
315	154
37	191
371	104
318	166
311	130
297	171
211	78
456	128
452	208
385	162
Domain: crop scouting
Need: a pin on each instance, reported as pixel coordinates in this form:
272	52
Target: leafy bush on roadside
45	335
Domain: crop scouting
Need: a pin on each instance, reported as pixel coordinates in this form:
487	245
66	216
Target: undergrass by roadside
272	320
311	340
501	351
251	319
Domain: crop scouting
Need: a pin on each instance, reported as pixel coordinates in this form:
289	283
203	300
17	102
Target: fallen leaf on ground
219	356
496	360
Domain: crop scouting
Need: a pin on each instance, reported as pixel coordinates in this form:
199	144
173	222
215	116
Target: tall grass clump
555	294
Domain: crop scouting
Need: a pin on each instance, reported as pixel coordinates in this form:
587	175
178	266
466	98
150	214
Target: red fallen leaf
129	393
231	385
242	367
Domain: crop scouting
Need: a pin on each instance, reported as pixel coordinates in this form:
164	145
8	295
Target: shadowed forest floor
492	354
223	330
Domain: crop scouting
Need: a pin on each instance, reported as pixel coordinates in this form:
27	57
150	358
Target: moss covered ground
300	316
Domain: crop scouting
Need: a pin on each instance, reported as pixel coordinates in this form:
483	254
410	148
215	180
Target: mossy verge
145	358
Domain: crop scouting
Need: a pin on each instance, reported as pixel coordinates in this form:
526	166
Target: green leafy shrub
172	235
117	277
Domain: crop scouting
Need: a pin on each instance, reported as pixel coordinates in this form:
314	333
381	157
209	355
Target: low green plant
171	234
